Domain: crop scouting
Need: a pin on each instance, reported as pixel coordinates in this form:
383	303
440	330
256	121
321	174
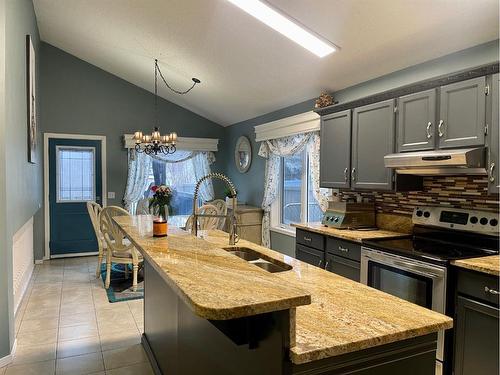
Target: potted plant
229	196
159	204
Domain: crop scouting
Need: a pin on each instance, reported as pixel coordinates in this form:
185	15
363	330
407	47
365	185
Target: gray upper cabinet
335	152
462	114
373	136
493	167
417	121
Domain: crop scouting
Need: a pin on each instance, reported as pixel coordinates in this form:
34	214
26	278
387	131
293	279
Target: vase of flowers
159	205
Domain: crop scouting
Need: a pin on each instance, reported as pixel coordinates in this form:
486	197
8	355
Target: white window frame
276	208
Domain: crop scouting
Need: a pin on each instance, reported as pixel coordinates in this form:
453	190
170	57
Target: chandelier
157	143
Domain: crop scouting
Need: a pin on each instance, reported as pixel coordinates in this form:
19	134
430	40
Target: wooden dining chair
120	250
95	210
222	208
205	223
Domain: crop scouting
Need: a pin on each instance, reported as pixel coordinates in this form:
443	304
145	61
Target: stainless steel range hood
439	162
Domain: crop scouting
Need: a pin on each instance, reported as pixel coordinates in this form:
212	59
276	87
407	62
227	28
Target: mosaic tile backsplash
451	191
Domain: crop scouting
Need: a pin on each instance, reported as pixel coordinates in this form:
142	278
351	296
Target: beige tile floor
65	325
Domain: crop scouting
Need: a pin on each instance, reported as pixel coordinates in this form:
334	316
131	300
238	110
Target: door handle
345	173
440	126
353	174
307	239
428	130
343	249
492	168
319	263
326	264
491	291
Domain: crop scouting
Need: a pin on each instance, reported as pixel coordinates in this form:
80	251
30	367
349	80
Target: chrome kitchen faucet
233	237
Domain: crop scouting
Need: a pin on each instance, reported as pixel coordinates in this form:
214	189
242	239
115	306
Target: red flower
154	188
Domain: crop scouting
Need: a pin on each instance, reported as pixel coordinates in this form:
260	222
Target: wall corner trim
301	123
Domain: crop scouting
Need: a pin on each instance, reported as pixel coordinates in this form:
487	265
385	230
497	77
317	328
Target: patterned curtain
201	163
138	170
320	194
140	165
273	150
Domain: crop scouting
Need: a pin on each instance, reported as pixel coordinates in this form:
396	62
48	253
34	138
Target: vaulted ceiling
248	69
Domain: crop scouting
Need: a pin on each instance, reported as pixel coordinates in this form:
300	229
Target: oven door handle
405	265
415	268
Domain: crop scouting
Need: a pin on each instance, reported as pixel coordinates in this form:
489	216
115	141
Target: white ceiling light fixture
286	26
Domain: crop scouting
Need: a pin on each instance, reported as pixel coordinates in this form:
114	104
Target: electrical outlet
111	195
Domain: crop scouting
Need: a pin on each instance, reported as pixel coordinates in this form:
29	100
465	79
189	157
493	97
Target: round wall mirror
243	154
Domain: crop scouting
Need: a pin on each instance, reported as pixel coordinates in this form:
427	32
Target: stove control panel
469	220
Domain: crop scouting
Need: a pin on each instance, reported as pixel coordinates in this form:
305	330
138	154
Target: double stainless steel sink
253	257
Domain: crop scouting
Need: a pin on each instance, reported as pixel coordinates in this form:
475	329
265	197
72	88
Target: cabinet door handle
343	249
345	173
491	291
326	264
319	263
492	168
353	174
440	126
428	130
307	239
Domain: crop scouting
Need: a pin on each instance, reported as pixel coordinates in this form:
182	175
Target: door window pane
293	167
75	174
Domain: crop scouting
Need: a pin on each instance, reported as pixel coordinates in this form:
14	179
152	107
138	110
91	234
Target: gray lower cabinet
476	324
335	152
493	137
334	255
417	121
343	258
373	137
343	267
462	114
309	255
476	331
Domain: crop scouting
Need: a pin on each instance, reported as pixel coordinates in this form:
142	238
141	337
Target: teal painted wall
77	97
20	181
250	185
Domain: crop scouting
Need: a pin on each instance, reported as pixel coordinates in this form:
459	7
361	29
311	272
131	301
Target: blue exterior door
75	177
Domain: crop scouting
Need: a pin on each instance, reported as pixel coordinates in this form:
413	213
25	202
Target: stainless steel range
416	268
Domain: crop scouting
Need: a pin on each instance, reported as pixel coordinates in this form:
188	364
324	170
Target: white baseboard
9	358
39	261
74	255
23	287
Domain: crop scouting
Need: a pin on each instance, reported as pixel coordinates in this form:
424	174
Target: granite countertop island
328	315
488	264
349	234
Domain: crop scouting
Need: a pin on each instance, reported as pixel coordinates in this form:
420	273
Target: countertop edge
322	353
462	263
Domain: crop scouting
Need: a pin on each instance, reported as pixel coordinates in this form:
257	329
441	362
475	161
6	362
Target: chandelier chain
195	81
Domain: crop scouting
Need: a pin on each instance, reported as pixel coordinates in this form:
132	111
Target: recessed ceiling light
286	26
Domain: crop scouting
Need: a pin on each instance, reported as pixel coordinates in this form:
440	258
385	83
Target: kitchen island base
177	341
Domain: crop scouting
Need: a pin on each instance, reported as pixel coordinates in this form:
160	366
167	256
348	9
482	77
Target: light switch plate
111	195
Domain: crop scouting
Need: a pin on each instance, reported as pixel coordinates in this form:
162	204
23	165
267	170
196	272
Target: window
296	202
75	174
180	177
